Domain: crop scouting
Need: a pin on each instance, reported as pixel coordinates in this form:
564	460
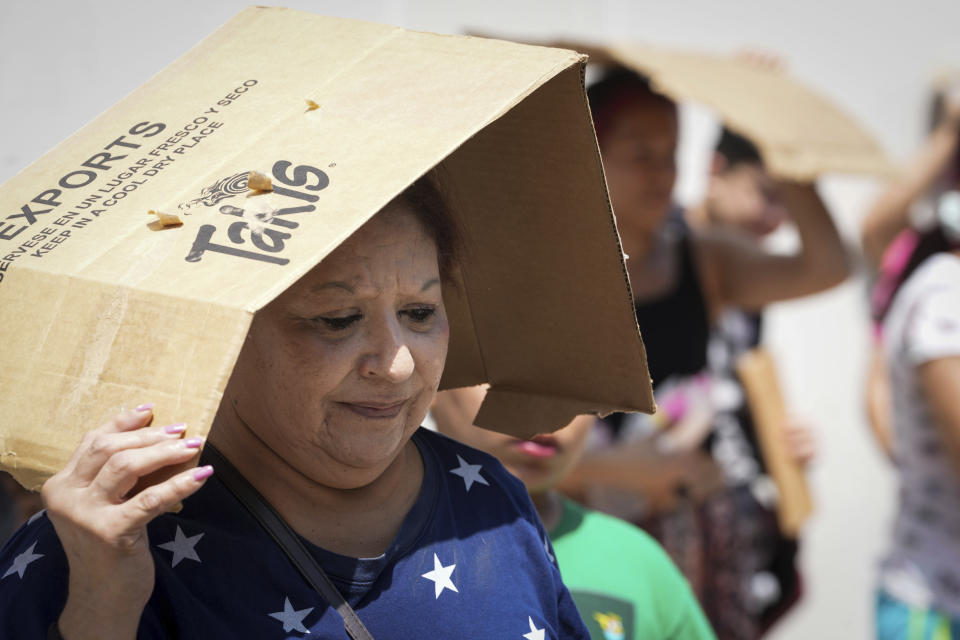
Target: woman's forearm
890	213
94	617
823	257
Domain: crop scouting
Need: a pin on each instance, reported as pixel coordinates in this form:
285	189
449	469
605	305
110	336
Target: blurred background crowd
847	282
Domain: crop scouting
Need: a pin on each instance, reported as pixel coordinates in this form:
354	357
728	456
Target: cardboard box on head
99	311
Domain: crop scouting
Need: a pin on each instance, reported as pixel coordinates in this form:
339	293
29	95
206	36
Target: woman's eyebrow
336	284
319	288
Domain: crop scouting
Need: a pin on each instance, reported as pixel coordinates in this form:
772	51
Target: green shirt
624	584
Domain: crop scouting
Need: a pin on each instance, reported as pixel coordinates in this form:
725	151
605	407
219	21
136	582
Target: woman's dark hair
736	149
426	201
618	87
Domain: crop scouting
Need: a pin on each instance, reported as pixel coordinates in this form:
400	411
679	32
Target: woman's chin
361	460
352	474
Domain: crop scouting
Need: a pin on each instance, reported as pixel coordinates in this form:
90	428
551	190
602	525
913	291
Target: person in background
917	306
683	279
890	234
623	583
742	198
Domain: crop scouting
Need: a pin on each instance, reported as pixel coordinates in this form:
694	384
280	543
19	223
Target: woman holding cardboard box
423	536
682	280
305	324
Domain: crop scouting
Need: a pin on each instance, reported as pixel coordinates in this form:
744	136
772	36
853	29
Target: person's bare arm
940	383
878	402
746	276
640	469
890	213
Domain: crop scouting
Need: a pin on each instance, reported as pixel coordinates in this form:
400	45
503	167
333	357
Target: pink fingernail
193	443
177	427
145	407
203	473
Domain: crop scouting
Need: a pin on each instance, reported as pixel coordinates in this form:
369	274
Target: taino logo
611	624
257	231
222	189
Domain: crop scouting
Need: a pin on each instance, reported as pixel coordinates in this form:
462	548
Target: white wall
62	63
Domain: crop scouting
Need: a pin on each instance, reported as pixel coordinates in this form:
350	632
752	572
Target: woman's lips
542	446
374	410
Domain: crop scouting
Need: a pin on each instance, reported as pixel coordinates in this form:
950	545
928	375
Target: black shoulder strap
288	540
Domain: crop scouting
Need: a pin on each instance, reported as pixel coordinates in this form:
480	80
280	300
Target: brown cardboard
758	374
800	133
542	310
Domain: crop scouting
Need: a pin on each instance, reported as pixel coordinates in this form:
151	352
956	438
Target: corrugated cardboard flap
92	348
524	415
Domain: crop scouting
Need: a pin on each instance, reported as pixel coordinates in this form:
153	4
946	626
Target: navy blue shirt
471	560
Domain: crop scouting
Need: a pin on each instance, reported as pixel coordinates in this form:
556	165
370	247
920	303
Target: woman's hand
801	441
102	522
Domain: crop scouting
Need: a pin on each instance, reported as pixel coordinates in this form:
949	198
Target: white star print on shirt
182	547
535	634
292	620
21	561
441	577
35	516
469	472
546	548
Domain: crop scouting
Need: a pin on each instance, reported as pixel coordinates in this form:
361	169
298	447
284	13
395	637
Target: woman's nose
388	357
401	366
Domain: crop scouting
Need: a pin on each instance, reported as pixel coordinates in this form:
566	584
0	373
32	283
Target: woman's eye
420	314
338	323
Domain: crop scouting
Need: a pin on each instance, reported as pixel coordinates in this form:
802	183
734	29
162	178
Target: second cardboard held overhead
100	311
799	132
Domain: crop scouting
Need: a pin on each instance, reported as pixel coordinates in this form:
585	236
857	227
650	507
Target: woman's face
638	148
339	371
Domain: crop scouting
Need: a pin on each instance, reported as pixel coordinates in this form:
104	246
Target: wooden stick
758	375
